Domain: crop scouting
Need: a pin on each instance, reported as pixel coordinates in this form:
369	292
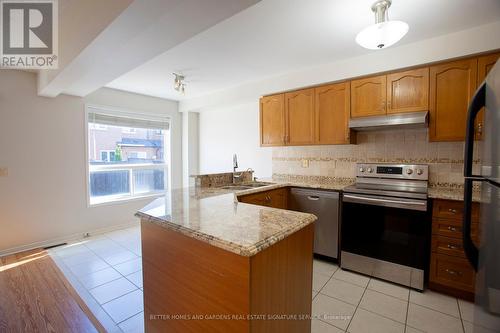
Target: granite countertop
212	215
215	216
451	193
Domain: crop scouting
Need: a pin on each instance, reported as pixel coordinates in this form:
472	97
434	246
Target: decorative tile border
374	160
313	179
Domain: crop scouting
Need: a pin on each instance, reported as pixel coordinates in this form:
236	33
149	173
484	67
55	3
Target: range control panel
398	171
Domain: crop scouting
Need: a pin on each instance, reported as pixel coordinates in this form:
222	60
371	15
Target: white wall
190	147
229	131
42	142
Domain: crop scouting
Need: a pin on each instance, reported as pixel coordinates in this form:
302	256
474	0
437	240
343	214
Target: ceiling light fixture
179	83
383	33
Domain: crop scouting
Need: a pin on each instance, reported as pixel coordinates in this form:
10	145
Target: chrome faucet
235	162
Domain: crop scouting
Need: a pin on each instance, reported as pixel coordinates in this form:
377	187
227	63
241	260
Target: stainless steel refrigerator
486	258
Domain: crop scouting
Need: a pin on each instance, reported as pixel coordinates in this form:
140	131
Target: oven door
390	229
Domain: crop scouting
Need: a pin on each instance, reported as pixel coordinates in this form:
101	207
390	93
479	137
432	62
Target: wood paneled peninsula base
212	264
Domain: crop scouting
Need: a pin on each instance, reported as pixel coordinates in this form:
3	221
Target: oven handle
405	204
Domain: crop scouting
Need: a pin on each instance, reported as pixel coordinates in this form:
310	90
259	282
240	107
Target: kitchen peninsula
211	263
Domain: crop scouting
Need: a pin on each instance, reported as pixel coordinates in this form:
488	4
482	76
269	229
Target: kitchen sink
247	186
258	184
236	187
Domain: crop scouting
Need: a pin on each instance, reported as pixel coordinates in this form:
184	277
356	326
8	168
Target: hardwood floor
36	297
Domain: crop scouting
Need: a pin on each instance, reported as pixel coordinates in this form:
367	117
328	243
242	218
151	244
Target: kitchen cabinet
452	86
368	96
332	109
450	272
277	198
272	120
408	91
484	65
299	115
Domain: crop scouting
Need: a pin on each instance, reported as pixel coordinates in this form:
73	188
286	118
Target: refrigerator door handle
478	102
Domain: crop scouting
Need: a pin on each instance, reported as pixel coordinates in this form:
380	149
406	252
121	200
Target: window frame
167	144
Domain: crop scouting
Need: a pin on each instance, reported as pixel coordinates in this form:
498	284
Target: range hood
403	120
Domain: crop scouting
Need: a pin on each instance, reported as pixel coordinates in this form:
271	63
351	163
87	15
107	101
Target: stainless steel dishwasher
325	205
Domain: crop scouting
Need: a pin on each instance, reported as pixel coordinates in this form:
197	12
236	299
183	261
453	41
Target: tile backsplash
445	159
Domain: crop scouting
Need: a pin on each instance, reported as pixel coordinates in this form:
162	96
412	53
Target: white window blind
104	117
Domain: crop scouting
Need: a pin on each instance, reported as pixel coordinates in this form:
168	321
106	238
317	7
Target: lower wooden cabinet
277	198
450	271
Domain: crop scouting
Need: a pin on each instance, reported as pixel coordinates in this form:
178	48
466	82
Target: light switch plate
4	172
305	163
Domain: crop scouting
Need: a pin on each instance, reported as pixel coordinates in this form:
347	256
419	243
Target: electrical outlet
86	235
305	163
4	172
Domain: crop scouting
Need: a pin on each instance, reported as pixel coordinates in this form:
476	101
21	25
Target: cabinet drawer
447	228
448	246
452	228
452	272
274	198
453	210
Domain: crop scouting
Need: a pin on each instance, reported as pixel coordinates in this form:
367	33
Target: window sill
121	200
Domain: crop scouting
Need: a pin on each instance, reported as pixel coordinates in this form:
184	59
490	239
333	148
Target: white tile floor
106	271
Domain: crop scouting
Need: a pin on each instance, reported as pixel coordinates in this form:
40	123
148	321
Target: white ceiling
278	36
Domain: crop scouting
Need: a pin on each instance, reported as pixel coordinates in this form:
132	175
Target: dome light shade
382	35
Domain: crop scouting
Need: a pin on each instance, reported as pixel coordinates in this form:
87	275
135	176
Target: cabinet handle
453	211
480	128
452	247
452	272
452	228
389	104
268	199
383	105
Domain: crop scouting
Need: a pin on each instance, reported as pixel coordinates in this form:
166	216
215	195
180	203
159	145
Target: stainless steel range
385	230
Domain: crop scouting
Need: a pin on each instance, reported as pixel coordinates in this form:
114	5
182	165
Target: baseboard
65	239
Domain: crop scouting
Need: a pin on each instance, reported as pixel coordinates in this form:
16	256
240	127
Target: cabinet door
408	91
452	86
272	120
484	65
299	111
333	104
368	97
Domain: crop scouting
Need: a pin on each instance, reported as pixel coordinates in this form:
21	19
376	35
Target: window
122	166
107	155
128	130
138	154
98	127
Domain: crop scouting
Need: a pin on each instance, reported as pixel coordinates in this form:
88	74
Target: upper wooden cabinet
399	92
408	91
332	104
272	120
299	115
484	65
452	86
368	96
